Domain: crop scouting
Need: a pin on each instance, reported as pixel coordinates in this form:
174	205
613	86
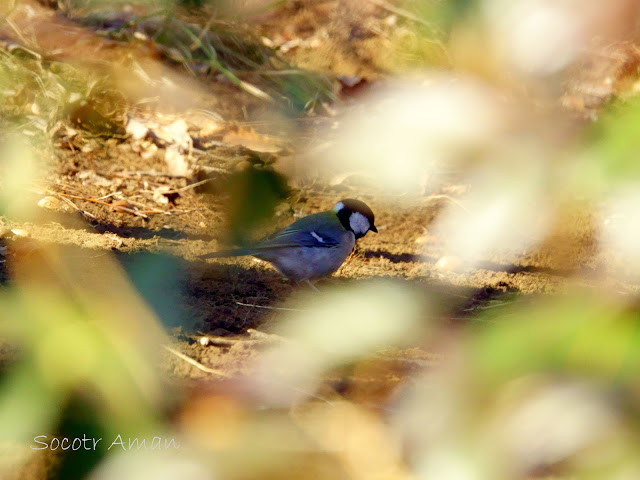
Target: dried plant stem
451	199
247	87
252	305
213	371
403	13
189	187
195	363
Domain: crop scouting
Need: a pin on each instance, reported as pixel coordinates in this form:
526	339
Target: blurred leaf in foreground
254	194
76	342
548	388
337	327
612	147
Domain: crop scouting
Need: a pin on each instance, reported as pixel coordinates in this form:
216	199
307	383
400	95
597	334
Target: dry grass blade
265	307
213	371
213	60
119	206
195	363
403	13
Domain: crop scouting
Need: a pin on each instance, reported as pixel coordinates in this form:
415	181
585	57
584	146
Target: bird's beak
373	228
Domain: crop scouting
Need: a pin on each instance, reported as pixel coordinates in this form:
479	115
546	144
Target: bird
314	246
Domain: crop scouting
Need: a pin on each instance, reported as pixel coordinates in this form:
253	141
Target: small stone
49	202
243	166
137	129
19	232
448	263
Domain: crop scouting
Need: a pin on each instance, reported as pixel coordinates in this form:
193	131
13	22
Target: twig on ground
109	195
120	208
255	336
434	360
183	212
195	363
188	187
213	371
208	169
207	340
144	173
17	31
85	214
451	199
147	210
263	336
252	305
487	307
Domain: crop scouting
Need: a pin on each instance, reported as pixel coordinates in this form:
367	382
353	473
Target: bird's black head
355	216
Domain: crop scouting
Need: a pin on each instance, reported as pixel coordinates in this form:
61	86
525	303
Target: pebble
19	232
448	263
49	202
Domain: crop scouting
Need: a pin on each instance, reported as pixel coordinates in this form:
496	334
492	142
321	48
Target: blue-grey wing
307	232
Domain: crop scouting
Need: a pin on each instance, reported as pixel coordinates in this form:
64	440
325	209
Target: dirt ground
194	297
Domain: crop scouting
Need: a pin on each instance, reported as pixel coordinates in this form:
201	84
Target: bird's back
310	248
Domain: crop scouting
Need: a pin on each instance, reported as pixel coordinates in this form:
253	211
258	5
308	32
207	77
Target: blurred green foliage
157	278
78	419
37	93
67	348
443	16
575	334
253	196
612	144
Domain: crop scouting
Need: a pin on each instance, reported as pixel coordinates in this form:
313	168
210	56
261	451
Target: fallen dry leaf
50	203
136	129
211	128
165	195
125	207
176	133
159	195
176	161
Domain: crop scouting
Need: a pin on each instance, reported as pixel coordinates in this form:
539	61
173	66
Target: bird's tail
235	252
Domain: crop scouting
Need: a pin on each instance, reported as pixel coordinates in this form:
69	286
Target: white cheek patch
339	206
359	223
317	237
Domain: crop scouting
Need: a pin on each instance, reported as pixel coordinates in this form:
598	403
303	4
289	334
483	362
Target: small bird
314	246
